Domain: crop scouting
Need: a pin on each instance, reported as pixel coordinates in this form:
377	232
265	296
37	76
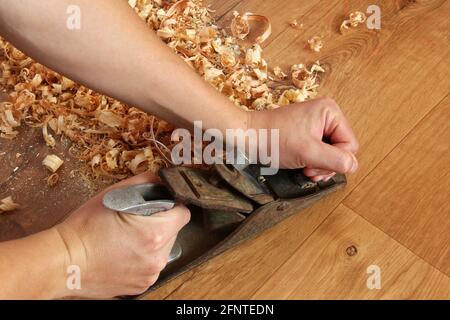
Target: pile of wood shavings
117	140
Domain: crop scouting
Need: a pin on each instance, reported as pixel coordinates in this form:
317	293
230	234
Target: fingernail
317	178
355	164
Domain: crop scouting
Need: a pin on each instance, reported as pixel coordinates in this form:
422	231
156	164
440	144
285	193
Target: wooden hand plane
228	206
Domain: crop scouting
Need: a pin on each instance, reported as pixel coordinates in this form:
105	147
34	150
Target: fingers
161	257
331	158
159	228
317	175
323	178
309	172
342	136
337	128
172	221
324	159
167	249
153	265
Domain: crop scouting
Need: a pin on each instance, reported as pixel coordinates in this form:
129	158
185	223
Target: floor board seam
220	17
353	189
398	242
393	149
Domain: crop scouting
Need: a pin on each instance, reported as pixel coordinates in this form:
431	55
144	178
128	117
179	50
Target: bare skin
116	54
117	254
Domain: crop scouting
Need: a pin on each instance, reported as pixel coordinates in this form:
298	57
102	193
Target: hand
303	128
119	254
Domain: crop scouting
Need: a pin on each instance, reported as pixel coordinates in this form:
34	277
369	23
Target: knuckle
154	239
158	263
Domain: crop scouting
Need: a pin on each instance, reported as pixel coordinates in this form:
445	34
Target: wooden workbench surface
393	85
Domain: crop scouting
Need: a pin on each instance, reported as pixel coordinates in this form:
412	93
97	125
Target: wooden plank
374	76
382	80
408	193
404	61
239	272
319	20
326	266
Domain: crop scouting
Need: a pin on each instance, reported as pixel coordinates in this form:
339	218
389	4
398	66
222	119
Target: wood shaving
355	19
279	74
294	24
115	140
7	204
240	26
305	80
52	180
52	163
316	43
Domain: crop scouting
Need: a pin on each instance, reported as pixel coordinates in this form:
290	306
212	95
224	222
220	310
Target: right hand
119	254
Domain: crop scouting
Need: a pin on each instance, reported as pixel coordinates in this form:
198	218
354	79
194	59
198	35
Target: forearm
115	53
33	267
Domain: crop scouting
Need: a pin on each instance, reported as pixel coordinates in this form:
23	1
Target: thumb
322	155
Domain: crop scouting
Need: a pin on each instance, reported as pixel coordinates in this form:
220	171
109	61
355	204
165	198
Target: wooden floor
393	85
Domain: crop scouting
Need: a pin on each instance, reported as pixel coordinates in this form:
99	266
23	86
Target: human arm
115	53
103	244
23	263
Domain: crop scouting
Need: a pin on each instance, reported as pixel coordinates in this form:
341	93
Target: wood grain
408	194
220	8
324	267
240	271
374	77
387	82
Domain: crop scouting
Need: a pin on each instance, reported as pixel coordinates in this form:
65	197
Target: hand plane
228	206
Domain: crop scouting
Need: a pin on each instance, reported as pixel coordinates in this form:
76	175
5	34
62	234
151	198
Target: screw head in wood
351	251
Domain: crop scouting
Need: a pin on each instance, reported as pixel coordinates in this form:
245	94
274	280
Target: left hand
303	129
